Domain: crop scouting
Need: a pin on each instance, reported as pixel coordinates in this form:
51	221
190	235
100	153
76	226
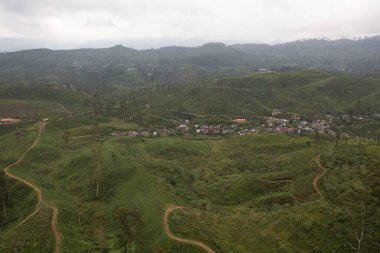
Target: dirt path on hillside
41	203
169	210
54	228
283	180
317	178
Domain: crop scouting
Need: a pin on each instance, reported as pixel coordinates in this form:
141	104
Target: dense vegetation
225	184
251	193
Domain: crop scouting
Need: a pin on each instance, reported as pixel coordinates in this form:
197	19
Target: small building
263	70
240	120
284	130
9	120
228	131
183	128
211	130
276	112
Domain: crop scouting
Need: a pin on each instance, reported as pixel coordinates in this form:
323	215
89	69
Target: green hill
258	192
242	193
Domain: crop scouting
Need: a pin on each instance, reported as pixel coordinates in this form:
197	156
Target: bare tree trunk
5	210
359	236
97	190
98	175
362	228
79	221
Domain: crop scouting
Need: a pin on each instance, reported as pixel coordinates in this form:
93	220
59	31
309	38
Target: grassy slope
245	214
310	91
306	92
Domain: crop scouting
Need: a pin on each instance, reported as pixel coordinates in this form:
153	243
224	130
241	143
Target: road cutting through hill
41	203
168	211
317	178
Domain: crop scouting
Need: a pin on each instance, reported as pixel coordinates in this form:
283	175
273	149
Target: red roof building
240	120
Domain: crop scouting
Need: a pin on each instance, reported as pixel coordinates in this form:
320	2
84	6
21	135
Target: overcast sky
68	23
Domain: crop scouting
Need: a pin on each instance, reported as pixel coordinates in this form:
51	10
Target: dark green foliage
130	224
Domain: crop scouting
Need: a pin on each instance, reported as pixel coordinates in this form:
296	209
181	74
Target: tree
18	135
123	108
3	194
96	125
206	206
98	151
337	137
317	136
130	223
110	104
78	210
359	232
66	137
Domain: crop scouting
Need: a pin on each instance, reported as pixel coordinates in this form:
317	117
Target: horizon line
202	44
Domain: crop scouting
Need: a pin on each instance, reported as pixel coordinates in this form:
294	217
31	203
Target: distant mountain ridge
119	65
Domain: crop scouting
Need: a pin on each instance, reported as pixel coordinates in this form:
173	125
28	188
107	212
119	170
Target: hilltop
118	65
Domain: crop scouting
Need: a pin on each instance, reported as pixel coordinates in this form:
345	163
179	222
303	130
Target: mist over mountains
17	44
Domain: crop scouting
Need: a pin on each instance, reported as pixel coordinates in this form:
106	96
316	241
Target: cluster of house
91	67
213	130
100	66
186	128
291	123
144	133
321	126
206	129
296	126
279	122
118	133
271	125
271	122
263	70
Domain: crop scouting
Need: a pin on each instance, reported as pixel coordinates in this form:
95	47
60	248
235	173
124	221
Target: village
279	121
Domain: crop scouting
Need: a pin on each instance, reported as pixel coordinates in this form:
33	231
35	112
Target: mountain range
119	65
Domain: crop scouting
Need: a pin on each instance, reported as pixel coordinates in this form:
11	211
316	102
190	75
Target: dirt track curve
317	178
41	203
169	210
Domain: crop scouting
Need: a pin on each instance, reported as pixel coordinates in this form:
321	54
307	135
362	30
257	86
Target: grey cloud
207	20
97	23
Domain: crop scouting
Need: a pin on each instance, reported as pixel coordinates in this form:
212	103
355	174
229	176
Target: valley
111	179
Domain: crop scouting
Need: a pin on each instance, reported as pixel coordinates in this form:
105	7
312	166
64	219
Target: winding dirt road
54	228
169	210
41	203
317	178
